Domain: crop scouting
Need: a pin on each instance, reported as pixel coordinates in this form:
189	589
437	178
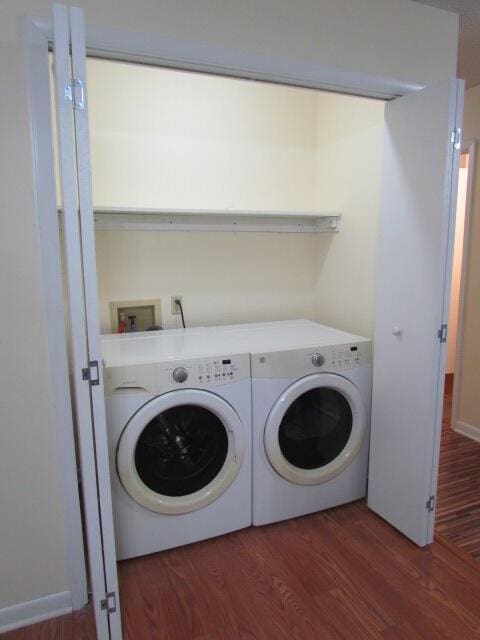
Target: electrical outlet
175	307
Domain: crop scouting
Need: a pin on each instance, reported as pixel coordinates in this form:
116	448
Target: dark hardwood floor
336	575
458	508
342	574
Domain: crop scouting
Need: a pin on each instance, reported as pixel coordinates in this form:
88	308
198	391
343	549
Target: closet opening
458	508
248	202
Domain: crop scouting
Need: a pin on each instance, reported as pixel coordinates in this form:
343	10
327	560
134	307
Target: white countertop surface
177	344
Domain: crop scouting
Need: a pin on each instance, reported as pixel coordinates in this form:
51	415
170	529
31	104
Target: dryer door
180	451
315	429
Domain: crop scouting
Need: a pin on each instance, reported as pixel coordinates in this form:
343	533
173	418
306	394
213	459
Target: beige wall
186	140
32	548
390	37
223	277
468	411
349	165
170	139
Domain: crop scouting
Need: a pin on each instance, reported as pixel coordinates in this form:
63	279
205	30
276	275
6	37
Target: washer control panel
204	372
301	362
194	373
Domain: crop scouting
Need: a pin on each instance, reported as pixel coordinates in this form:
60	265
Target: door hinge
456	138
75	93
91	373
442	333
430	504
109	603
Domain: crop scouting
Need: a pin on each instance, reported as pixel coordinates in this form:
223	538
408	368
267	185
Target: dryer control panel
297	363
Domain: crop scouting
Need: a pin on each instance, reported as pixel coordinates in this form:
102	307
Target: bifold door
421	155
79	242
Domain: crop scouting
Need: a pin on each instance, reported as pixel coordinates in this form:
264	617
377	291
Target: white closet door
413	284
73	141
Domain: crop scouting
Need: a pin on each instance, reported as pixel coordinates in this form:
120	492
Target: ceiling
469	45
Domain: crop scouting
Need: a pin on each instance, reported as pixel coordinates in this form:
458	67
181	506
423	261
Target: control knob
180	374
318	360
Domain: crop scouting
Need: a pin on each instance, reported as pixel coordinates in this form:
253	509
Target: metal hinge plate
430	504
456	138
91	373
75	93
109	603
442	333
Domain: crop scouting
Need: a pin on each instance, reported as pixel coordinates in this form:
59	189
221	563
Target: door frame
185	55
156	51
461	427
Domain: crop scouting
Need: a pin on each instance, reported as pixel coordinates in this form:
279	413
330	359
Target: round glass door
315	429
180	451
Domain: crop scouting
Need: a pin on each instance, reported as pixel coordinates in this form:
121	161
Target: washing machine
311	394
179	429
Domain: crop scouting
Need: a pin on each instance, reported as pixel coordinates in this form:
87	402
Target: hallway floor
342	574
336	575
458	508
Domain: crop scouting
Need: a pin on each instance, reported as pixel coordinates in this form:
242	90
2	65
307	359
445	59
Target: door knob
397	331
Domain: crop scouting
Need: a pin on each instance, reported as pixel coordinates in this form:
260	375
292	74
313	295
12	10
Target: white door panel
418	195
82	136
75	178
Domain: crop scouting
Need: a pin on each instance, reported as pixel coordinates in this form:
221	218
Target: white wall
468	411
456	270
349	166
390	37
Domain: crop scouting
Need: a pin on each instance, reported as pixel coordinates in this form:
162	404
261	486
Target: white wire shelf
130	219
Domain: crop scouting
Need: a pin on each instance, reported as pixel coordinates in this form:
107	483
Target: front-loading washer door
180	451
315	428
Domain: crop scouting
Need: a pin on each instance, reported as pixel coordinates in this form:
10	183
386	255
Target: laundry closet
247	202
210	200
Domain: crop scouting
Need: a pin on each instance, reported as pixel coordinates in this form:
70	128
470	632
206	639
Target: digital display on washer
353	348
226	362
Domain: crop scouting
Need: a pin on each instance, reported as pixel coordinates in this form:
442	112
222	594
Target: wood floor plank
338	575
458	496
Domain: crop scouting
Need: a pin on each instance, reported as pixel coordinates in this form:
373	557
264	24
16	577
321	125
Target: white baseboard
467	430
25	613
